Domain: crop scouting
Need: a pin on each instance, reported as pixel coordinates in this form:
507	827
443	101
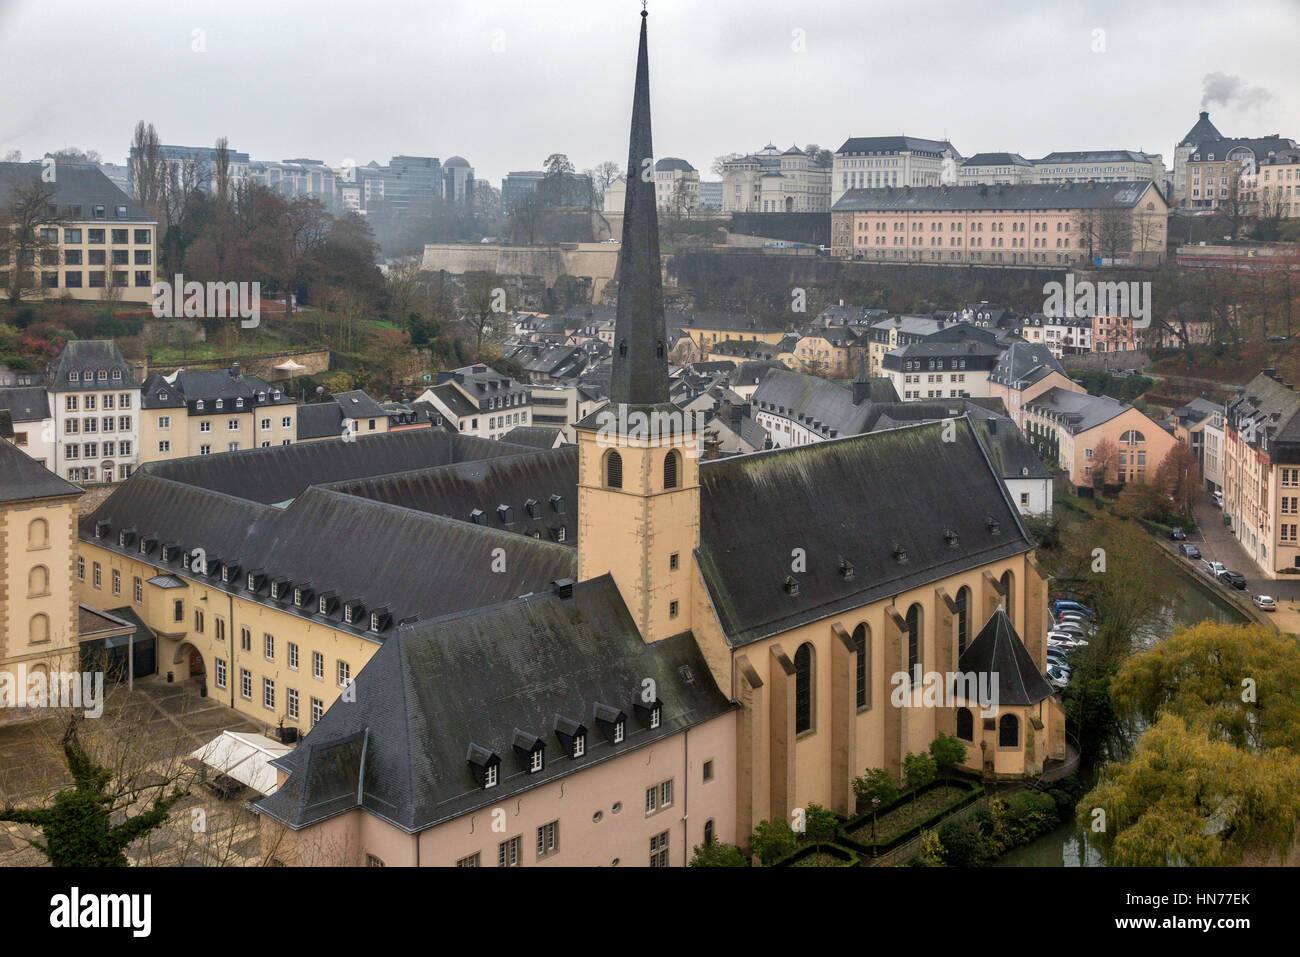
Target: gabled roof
1024	363
28	403
1077	410
1202	131
358	405
998	652
1272	405
997	159
320	420
79	184
420	708
82	355
893	144
23	478
850	499
819	403
535	436
279	473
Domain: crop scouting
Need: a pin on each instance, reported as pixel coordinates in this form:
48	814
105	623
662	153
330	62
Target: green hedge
973	793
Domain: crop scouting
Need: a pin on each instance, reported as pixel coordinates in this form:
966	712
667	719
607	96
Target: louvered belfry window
671	469
614	470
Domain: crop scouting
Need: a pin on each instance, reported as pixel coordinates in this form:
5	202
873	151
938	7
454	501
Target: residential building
836	352
98	243
1100	166
1114	334
558	406
1226	171
1022	225
1063	335
1069	427
1273	189
941	370
478	400
204	412
94	397
995	169
772	181
874	162
1261	472
677	186
1203	131
32	422
1025	371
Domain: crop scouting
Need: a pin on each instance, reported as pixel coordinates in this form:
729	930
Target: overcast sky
504	83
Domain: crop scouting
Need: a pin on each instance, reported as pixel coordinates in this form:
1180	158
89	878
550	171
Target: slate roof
1008	449
80	355
1022	196
23	478
358	405
997	159
1095	156
541	662
1024	363
278	473
320	420
1202	131
185	386
458	489
752	371
1078	410
998	652
384	555
853	498
737	322
1272	405
29	403
672	163
809	400
535	436
79	184
856	145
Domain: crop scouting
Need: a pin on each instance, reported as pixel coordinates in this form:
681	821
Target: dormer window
322	606
297	597
239	403
535	761
620	729
275	589
557	504
144	546
101	529
225	574
220	404
655	714
506	514
252	582
791	586
533	508
162	396
579	745
198	405
347	614
490	776
74	376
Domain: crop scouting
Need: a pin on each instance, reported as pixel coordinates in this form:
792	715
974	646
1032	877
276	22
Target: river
1184	604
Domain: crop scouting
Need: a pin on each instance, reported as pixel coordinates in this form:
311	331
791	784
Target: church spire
640	364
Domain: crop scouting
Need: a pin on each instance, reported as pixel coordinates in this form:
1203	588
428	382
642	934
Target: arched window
672	468
803	691
708	831
38	629
1008	731
965	724
38	533
38	581
1009	586
1132	437
963	619
915	624
862	644
613	469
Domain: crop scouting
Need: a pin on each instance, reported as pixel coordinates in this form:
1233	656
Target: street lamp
875	804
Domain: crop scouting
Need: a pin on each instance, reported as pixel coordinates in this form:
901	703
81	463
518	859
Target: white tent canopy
288	365
244	757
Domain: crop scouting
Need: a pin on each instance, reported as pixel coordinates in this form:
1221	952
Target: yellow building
38	556
205	412
97	245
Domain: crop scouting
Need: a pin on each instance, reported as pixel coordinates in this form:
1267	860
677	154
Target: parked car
1277	338
1188	550
1063	639
1177	534
1062	604
1234	580
1057	678
1069	628
1218	499
1265	602
1214	569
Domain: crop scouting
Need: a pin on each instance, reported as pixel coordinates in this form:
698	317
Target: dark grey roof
893	144
26	403
1024	363
1008	449
456	490
1272	405
851	499
997	159
1021	196
673	163
320	420
412	562
1260	148
998	652
739	322
82	355
752	371
208	385
821	405
75	184
535	436
421	708
278	473
1095	156
358	405
23	478
1202	131
1077	410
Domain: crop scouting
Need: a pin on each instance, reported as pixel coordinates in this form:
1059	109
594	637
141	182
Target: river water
1184	604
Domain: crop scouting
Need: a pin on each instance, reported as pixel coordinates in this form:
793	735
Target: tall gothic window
613	470
862	644
915	622
963	619
803	693
672	462
1009	731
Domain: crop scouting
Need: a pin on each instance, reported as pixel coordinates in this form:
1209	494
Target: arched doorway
190	660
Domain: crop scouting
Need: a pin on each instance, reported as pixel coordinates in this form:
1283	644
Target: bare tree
484	306
221	170
1115	233
26	222
602	175
718	166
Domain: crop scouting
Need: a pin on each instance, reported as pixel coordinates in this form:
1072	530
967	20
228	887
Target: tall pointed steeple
640	363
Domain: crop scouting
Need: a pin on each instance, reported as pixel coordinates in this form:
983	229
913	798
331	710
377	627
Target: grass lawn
819	859
908	815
